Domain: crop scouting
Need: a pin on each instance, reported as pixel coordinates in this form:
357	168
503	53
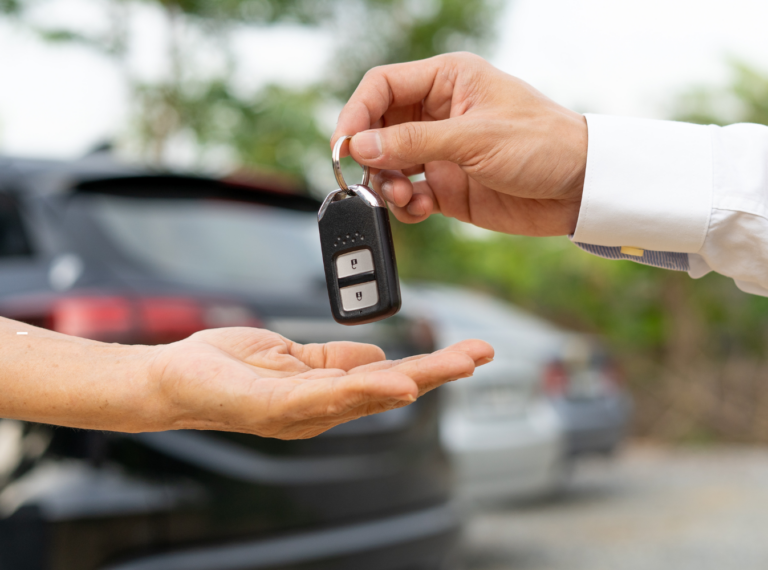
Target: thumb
407	144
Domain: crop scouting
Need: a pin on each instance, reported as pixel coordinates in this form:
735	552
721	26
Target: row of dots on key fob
343	240
362	295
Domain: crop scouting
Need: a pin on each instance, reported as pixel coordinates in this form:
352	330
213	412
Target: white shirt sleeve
678	196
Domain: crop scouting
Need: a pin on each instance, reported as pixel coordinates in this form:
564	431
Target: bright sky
605	56
629	58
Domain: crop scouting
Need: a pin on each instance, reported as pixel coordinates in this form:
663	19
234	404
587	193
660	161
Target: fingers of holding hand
410	202
394	186
382	88
428	83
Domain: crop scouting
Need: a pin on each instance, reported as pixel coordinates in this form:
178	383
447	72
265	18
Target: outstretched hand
256	381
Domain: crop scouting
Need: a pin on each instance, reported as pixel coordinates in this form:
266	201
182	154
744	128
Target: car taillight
555	379
170	318
147	320
93	317
422	335
613	374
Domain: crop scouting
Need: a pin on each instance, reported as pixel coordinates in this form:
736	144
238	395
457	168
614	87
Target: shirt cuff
663	259
648	185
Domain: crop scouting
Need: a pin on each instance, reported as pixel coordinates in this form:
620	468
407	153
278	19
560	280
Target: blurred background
250	89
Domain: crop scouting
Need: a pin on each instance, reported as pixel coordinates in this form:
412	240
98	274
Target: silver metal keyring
336	156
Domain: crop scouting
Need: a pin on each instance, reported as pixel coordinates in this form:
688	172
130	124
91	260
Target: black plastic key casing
352	224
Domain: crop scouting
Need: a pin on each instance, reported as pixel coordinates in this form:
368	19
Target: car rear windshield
231	245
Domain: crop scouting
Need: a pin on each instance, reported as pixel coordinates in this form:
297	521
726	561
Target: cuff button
633	251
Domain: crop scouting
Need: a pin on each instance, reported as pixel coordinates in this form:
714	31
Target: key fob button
354	263
358	297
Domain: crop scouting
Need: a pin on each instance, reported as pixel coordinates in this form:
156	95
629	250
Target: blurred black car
99	250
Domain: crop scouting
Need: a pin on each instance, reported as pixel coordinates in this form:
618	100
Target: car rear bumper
594	426
423	539
505	459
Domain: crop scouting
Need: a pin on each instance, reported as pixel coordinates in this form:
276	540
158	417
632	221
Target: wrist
577	143
141	406
572	189
116	391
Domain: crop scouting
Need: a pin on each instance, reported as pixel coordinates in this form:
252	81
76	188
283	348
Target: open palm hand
256	381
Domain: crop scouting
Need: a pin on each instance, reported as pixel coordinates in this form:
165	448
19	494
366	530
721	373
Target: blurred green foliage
271	127
744	100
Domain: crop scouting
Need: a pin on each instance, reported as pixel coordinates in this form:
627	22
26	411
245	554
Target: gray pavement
653	509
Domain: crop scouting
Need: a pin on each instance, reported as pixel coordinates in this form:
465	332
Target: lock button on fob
358	297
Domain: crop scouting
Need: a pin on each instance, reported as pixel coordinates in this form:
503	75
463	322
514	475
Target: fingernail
484	361
415	209
368	144
465	376
408	398
387	188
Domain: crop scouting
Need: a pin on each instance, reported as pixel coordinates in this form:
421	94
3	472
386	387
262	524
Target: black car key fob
358	253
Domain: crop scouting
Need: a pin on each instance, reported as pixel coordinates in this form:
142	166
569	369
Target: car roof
101	173
13	169
456	303
461	313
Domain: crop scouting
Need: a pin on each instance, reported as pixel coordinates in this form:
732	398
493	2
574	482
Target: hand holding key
495	152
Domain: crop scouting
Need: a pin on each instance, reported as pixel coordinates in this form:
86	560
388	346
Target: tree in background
744	100
199	98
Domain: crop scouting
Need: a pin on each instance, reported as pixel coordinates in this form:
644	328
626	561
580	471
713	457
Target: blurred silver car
550	396
585	388
505	438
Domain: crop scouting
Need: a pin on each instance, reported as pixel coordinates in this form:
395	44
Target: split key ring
336	157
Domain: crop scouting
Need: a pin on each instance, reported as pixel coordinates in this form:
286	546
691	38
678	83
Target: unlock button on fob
354	263
359	296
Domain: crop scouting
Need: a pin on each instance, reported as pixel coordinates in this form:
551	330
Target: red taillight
92	317
613	374
555	379
170	318
147	320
